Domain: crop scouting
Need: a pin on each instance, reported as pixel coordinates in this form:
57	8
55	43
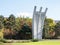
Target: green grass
43	42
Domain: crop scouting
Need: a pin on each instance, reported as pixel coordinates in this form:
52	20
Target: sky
25	8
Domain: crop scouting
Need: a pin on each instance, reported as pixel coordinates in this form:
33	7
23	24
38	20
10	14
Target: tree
1	18
25	32
12	19
1	25
1	21
57	29
9	24
48	30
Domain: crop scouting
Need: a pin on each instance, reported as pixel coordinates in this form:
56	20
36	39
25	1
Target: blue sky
21	7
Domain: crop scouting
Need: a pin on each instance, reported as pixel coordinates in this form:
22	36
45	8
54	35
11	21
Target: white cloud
25	14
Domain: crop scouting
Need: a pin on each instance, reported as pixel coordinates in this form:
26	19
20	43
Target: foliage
57	29
3	40
1	18
21	28
1	34
48	31
34	40
14	28
1	25
1	21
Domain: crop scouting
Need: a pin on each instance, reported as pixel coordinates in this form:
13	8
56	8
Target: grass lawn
43	42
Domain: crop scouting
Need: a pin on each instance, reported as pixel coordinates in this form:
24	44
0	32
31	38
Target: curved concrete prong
34	9
46	10
40	9
38	23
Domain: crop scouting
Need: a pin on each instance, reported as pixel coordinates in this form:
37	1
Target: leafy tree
25	31
12	19
1	21
48	30
9	25
57	29
1	18
1	25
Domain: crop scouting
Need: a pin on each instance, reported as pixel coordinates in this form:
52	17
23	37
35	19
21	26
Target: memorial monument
38	23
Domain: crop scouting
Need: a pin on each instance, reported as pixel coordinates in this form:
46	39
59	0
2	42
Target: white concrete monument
38	23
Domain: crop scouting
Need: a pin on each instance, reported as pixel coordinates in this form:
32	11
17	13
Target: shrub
34	40
3	40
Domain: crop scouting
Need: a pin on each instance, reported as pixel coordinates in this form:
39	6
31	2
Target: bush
3	40
34	40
